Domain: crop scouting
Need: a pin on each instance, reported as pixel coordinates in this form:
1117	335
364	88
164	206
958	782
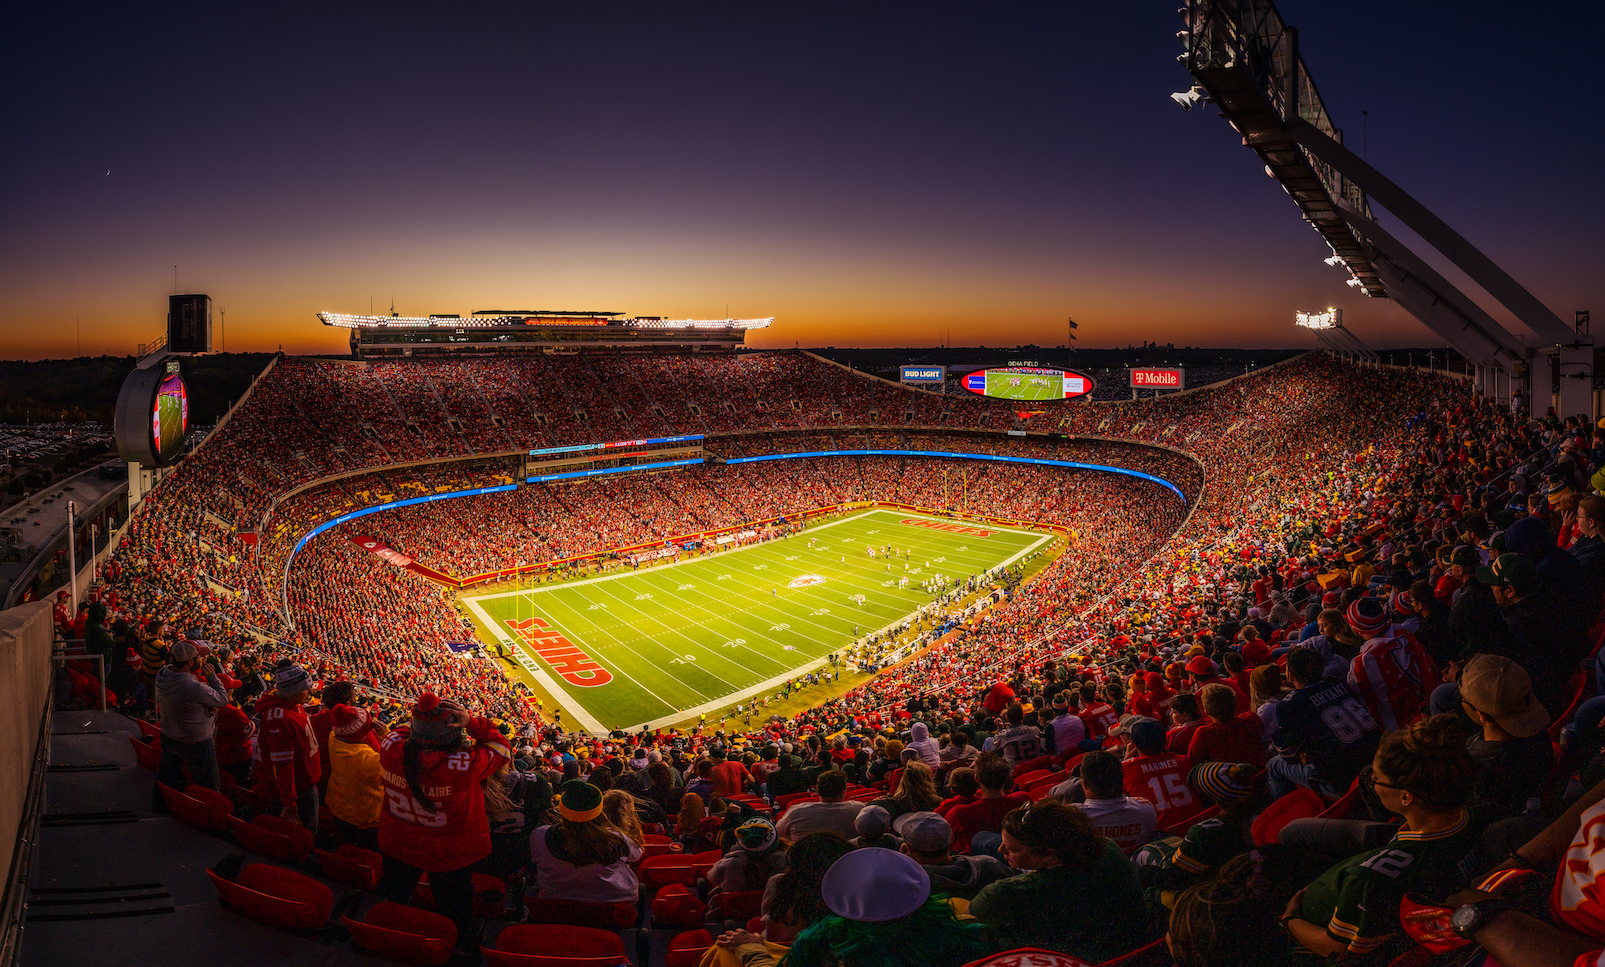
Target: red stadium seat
149	729
1298	804
404	934
553	945
1043	762
660	871
656	845
198	806
1345	805
740	906
677	906
1024	780
276	896
147	754
274	837
686	949
351	865
607	916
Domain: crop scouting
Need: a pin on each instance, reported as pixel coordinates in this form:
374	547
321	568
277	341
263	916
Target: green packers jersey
1357	901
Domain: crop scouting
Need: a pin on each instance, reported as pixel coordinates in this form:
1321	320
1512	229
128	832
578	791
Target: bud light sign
924	374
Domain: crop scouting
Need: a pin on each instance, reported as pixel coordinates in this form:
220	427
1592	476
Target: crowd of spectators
1382	595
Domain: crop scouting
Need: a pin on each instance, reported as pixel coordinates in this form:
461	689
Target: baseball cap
1147	735
184	651
1502	690
924	831
1126	722
1465	555
1510	570
872	821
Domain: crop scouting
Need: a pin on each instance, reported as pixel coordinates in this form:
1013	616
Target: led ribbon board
1035	461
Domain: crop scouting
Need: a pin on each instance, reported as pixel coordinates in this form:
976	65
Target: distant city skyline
871	177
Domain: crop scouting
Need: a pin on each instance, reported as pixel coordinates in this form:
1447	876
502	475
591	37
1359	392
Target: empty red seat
404	934
677	906
1028	779
149	729
147	754
578	913
660	871
1299	804
555	945
274	837
351	865
276	896
198	806
686	949
740	906
656	845
1031	765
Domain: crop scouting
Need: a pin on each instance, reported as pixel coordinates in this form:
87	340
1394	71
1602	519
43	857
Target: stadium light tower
1327	325
1245	59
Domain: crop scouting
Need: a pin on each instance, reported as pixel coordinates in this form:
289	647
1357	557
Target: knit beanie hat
349	722
290	680
431	721
578	801
1214	779
1367	617
756	835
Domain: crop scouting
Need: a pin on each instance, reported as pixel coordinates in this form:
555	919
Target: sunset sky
869	174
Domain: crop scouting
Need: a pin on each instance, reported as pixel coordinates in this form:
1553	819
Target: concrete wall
25	671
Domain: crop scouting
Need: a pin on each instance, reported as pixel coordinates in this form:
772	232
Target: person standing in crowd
434	821
234	735
333	694
188	707
288	766
356	793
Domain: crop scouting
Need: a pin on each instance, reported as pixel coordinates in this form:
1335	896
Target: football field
653	646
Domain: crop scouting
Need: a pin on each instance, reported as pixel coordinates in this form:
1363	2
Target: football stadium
583	638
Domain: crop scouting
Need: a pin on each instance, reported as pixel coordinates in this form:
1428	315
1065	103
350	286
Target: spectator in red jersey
998	698
336	693
730	777
1203	672
1158	776
985	814
1229	737
434	820
233	737
1185	719
1098	716
287	755
965	788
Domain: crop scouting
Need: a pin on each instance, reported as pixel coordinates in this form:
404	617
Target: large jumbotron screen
169	417
1028	383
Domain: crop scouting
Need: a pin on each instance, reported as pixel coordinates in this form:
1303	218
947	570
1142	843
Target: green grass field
651	647
1024	386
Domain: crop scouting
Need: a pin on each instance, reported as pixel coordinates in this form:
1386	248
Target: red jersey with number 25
457	832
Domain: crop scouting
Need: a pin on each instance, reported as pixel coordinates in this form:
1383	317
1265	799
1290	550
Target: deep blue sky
868	176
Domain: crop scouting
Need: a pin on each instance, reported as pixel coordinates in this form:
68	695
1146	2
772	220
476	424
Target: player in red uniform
433	819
